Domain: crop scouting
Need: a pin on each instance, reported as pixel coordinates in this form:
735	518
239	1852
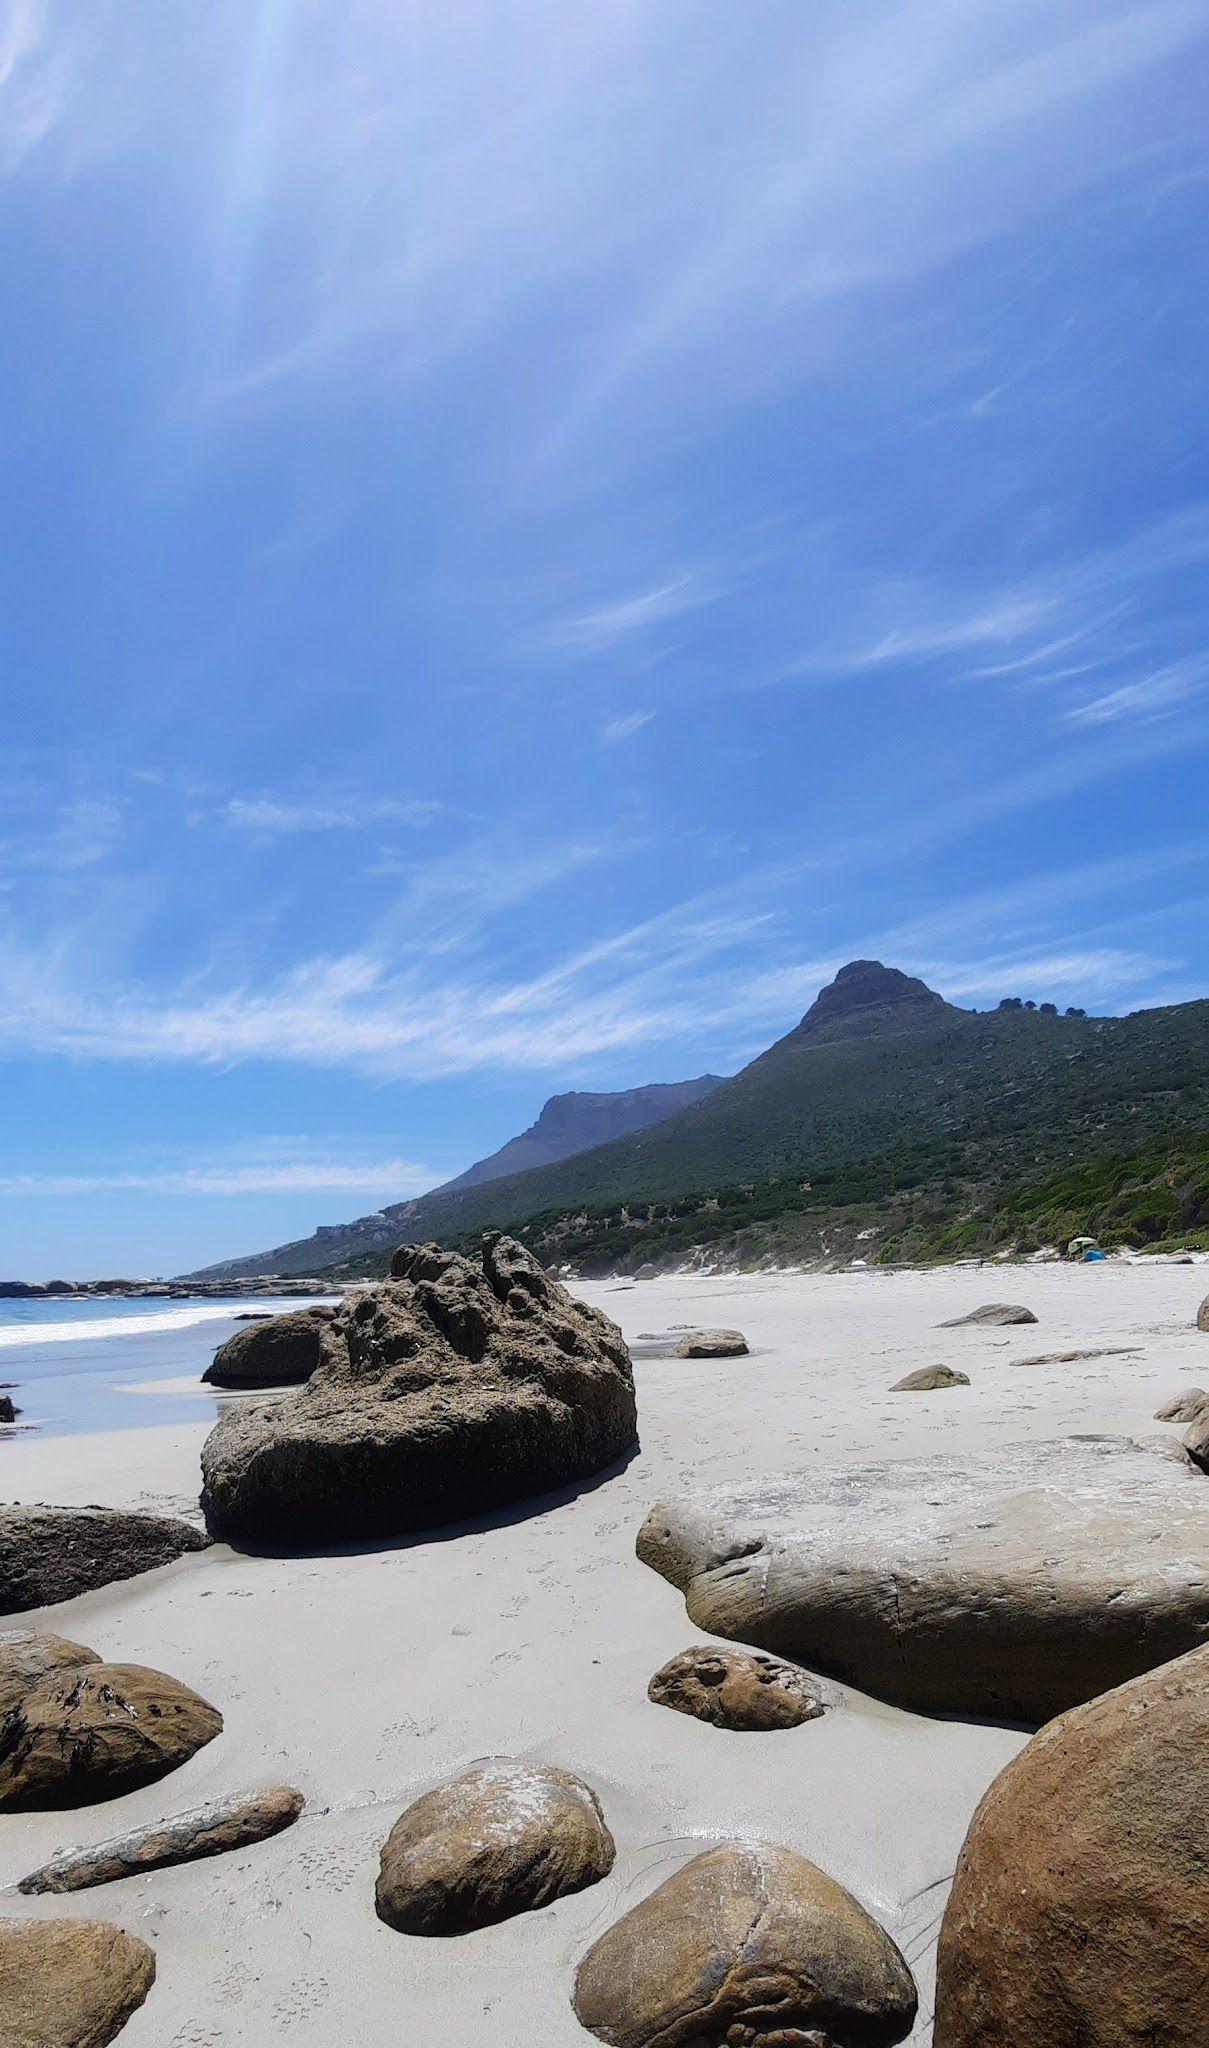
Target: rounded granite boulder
28	1655
712	1344
69	1983
930	1379
281	1351
96	1732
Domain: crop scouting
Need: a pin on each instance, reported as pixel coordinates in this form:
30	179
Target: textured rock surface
1196	1438
27	1657
281	1351
500	1839
712	1344
69	1983
1077	1915
740	1689
746	1944
51	1554
995	1314
462	1384
929	1379
8	1412
1185	1407
1202	1315
186	1838
97	1732
1016	1582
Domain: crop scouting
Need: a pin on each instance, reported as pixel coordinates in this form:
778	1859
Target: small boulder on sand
1077	1915
505	1837
51	1554
712	1344
930	1379
995	1315
746	1944
1185	1407
208	1831
95	1732
27	1656
69	1983
282	1351
740	1689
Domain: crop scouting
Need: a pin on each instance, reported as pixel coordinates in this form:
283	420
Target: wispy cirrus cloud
275	817
398	1178
1148	696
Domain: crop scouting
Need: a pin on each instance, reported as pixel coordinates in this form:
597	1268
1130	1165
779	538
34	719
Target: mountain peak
864	996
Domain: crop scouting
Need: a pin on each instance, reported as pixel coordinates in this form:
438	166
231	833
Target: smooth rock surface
929	1379
280	1351
27	1656
994	1315
746	1944
712	1344
503	1838
741	1689
69	1983
1013	1583
50	1554
463	1384
1185	1407
1077	1917
97	1732
186	1838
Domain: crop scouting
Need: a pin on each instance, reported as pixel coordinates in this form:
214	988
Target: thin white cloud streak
625	727
275	817
590	632
398	1178
1150	696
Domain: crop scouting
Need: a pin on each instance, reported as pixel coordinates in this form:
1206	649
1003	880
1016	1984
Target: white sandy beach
364	1677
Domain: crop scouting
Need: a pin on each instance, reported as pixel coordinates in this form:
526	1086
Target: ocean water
78	1366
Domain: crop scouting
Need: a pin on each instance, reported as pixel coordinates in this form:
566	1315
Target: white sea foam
182	1316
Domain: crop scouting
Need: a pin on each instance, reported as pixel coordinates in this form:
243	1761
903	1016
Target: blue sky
533	533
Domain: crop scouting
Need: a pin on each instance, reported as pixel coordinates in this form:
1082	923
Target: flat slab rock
930	1379
712	1344
1077	1915
740	1689
746	1944
96	1732
503	1838
48	1554
996	1315
208	1831
456	1387
1014	1583
69	1983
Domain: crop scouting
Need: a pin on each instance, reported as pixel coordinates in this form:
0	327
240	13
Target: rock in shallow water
503	1838
69	1983
187	1838
712	1344
80	1736
930	1379
459	1386
739	1689
281	1351
51	1554
27	1656
1016	1582
1077	1915
747	1944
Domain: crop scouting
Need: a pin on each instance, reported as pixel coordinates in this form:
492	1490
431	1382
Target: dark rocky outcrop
1015	1582
746	1944
503	1838
1077	1915
994	1315
930	1379
27	1657
459	1385
712	1344
69	1983
740	1689
1185	1407
187	1838
8	1409
93	1733
50	1554
280	1351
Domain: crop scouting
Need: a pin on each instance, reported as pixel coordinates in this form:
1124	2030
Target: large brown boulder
1015	1582
741	1689
211	1830
1077	1915
503	1838
459	1385
746	1944
26	1657
69	1983
281	1351
96	1732
50	1554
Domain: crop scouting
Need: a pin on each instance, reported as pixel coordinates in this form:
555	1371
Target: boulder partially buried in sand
995	1315
211	1830
51	1554
282	1351
1016	1582
503	1838
930	1379
69	1983
459	1385
1185	1407
740	1689
1077	1915
748	1943
27	1656
712	1344
97	1732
